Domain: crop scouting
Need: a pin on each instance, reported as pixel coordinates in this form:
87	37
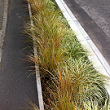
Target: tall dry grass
48	32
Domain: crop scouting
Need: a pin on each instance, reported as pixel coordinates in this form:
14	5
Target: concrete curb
38	81
3	29
99	62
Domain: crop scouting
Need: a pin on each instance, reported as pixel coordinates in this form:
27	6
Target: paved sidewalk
15	85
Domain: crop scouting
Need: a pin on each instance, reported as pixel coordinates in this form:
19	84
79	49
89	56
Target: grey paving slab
15	85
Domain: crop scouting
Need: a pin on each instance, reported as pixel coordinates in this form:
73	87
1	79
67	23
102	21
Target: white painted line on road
94	55
38	81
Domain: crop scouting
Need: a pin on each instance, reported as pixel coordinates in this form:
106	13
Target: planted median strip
69	80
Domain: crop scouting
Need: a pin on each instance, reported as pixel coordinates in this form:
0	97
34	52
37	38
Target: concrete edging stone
38	81
3	21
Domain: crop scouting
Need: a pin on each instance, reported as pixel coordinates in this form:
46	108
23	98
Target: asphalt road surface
94	16
99	11
15	85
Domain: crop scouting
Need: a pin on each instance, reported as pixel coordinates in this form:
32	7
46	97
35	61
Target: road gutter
38	81
94	55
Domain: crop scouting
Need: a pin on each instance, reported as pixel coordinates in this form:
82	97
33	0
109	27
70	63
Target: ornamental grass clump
39	6
95	106
69	80
79	84
48	32
72	46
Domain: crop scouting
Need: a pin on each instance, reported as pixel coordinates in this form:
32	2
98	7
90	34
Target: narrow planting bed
69	80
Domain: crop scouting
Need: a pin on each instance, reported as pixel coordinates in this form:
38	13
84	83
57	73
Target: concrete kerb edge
99	63
38	81
4	23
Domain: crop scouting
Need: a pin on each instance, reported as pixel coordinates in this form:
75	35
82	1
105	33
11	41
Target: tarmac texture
99	11
15	85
